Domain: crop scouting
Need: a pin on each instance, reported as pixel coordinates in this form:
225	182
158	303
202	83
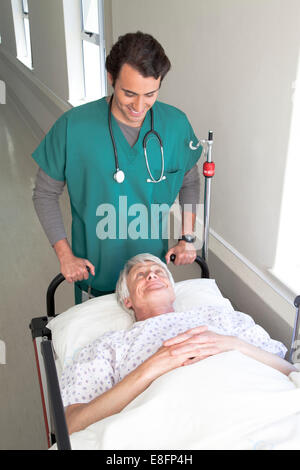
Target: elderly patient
108	374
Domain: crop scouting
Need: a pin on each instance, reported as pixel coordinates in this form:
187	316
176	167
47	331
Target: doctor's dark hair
142	52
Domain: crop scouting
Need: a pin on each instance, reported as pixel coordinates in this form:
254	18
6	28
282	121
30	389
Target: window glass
25	6
90	18
91	70
27	36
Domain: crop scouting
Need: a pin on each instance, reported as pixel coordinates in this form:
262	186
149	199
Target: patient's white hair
121	287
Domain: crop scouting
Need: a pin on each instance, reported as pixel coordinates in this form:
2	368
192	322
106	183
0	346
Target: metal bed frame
53	409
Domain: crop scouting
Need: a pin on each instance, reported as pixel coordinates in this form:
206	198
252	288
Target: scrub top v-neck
112	222
128	150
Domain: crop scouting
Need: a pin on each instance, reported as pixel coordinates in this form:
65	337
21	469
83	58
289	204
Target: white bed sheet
228	401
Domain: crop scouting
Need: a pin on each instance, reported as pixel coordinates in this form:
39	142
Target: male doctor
121	188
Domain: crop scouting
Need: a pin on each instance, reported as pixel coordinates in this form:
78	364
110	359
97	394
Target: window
22	31
93	49
27	31
85	47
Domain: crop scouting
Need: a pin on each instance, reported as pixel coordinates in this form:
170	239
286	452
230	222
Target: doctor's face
134	95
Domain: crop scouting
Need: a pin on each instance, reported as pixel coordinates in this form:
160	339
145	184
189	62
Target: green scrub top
112	222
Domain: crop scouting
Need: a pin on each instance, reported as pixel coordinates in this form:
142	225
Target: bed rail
50	303
52	405
203	265
57	408
295	336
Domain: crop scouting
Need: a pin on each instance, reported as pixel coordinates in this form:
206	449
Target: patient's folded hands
200	343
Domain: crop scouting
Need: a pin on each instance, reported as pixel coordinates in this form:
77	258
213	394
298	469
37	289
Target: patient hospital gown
106	361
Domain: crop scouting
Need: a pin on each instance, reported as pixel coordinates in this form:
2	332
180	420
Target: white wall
7	28
48	45
41	94
233	66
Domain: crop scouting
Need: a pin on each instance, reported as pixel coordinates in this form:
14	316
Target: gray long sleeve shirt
48	190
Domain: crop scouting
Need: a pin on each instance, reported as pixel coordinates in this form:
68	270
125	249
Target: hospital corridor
26	270
114	111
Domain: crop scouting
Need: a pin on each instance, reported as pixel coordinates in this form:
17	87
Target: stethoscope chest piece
119	176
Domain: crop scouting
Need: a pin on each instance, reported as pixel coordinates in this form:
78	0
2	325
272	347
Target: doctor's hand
72	268
75	269
185	253
200	343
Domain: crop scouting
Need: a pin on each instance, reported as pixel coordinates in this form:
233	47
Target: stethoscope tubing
119	174
112	136
147	136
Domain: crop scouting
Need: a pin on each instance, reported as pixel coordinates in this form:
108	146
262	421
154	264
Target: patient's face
150	290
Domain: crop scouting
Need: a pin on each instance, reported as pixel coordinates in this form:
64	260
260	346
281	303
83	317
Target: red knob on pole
208	169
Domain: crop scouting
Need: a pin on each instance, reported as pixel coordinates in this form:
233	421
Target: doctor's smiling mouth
133	95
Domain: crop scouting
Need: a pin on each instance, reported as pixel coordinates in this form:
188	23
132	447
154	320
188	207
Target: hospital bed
56	338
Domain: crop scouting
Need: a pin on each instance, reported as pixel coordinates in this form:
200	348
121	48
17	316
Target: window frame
23	41
97	39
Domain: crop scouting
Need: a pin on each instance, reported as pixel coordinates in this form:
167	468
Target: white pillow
84	323
196	292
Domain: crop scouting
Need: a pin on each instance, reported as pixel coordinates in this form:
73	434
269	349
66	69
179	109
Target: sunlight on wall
287	264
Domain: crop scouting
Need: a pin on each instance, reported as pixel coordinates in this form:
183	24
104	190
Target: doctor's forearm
46	203
62	249
189	194
189	198
188	223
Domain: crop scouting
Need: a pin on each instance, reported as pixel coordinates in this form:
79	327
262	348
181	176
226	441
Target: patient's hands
199	343
185	349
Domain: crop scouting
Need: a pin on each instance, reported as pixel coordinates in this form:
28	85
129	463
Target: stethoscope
119	175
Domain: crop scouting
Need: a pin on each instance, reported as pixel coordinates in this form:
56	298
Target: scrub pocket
166	191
